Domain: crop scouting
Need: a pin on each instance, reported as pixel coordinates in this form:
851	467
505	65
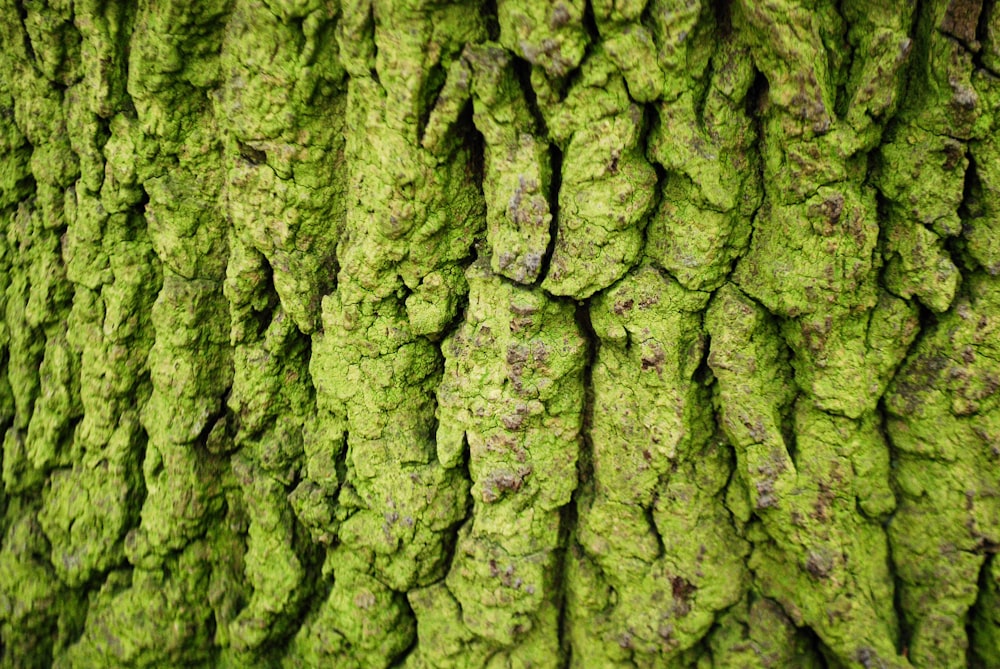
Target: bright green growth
945	425
284	184
757	633
440	333
705	140
512	397
284	196
844	359
814	553
517	175
924	165
551	36
410	219
655	556
980	228
608	187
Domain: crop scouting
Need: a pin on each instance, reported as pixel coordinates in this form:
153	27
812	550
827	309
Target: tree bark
640	333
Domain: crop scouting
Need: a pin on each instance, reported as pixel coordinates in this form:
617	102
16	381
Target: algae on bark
445	333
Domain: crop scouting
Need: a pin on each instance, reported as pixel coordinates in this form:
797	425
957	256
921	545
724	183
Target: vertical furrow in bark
811	544
282	104
653	525
922	163
943	424
14	154
943	408
92	505
812	262
176	146
412	216
512	393
985	625
655	555
981	237
163	157
755	392
41	367
606	185
705	140
39	615
758	633
517	173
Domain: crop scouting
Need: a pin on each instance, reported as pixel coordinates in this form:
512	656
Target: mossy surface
444	333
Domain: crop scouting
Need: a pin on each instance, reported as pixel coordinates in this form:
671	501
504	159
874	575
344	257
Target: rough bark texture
588	333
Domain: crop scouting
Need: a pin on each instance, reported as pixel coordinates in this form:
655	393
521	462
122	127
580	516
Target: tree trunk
640	333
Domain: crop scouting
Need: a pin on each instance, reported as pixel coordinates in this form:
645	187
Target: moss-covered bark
371	333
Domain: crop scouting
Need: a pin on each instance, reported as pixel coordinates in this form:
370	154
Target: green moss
705	141
152	617
551	36
410	218
599	130
944	427
361	623
844	360
40	616
980	225
438	333
512	395
284	193
815	547
518	171
758	633
924	164
655	555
